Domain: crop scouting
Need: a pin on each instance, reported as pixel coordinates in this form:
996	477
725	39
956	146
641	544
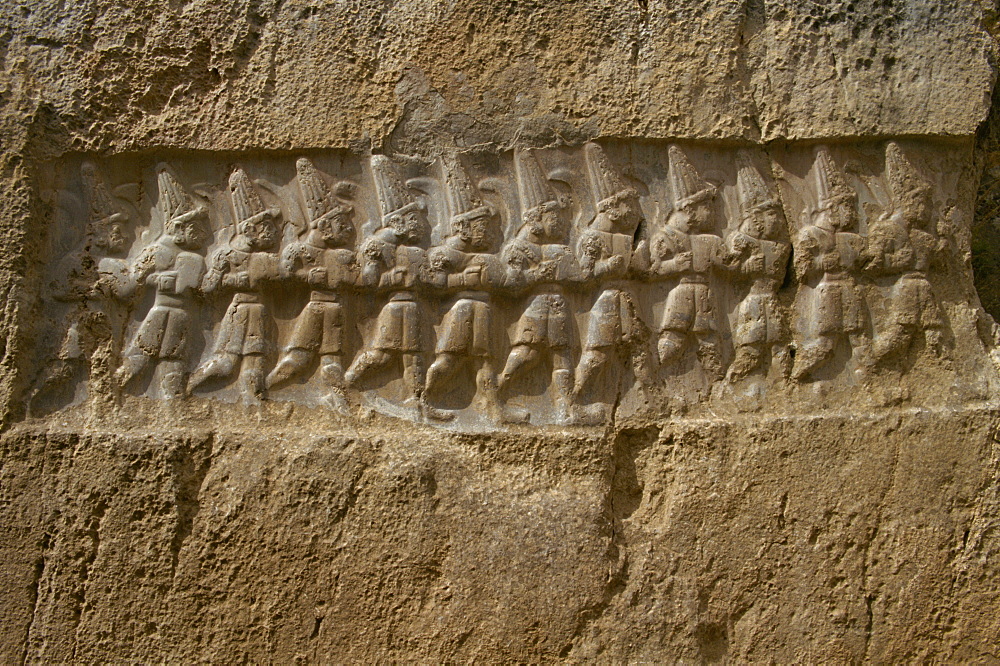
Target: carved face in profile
553	223
700	216
108	236
261	234
336	228
915	207
765	222
410	226
843	214
621	215
477	231
185	232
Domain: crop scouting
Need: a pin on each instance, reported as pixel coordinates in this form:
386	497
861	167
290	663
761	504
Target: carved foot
435	414
336	401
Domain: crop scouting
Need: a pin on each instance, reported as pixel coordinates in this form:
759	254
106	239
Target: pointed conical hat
831	186
532	186
464	201
100	206
317	196
751	189
902	174
687	184
174	201
394	197
607	184
246	199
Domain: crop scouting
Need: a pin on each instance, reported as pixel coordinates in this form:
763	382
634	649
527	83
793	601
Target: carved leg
292	362
373	358
332	372
521	357
896	339
591	364
413	376
562	384
783	359
934	338
708	356
748	358
220	365
671	346
252	378
812	356
441	370
172	380
133	364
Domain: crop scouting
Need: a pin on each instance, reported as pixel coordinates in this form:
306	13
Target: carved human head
477	228
409	224
107	235
335	228
547	221
765	221
839	213
620	213
185	230
914	207
261	230
695	213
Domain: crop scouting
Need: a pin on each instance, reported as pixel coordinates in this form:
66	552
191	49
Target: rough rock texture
158	531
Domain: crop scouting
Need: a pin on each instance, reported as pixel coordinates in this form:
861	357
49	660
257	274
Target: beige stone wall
170	531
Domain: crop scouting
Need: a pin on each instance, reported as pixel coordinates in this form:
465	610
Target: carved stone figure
615	330
686	248
903	243
87	282
539	261
828	253
247	262
760	256
325	260
394	262
464	266
173	268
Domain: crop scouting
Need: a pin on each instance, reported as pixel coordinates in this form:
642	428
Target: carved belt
913	275
169	301
402	296
694	279
322	296
549	288
245	297
473	296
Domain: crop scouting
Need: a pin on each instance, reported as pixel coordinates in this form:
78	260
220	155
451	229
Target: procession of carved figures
506	298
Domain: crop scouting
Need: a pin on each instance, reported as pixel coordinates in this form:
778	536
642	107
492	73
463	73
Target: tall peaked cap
246	199
605	181
901	173
687	184
532	186
100	205
318	198
831	186
174	201
751	189
393	195
462	195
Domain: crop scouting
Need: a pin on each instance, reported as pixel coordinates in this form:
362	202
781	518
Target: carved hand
317	276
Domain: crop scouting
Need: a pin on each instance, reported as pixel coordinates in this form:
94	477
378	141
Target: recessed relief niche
569	286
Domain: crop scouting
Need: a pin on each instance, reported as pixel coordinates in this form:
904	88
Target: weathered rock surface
143	530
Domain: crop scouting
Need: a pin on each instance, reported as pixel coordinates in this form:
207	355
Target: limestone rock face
495	331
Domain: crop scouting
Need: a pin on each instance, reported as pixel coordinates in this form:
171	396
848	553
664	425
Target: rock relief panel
566	286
